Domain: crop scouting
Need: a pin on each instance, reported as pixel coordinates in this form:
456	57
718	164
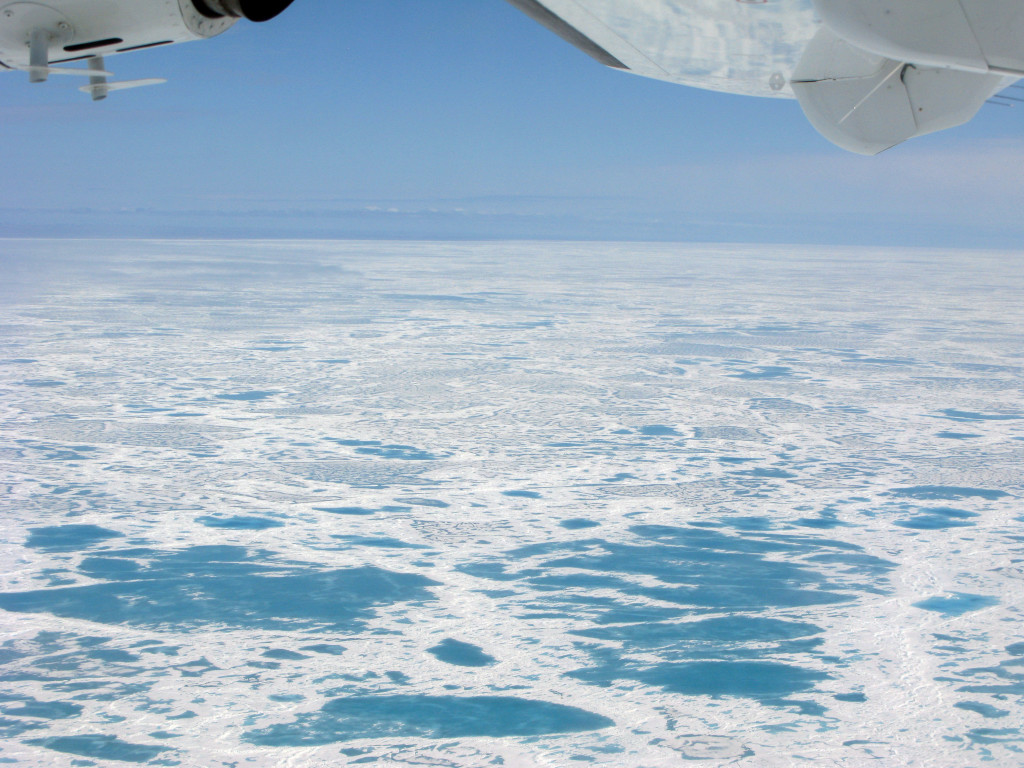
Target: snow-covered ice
521	504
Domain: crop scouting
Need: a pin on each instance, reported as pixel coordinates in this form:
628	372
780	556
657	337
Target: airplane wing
749	48
868	74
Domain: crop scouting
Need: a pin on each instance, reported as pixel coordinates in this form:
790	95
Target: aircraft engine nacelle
253	10
68	30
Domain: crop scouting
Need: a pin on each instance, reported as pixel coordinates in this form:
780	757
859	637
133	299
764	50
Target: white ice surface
519	367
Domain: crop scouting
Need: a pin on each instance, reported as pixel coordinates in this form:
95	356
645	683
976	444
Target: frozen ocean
311	503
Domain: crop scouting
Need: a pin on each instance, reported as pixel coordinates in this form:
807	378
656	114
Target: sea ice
531	504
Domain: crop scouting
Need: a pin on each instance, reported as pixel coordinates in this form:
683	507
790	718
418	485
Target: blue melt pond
460	654
985	710
423	502
100	746
658	430
47	710
283	653
328	648
403	452
224	586
68	538
956	604
241	522
578	523
947	492
382	542
766	372
521	494
428	717
345	510
781	474
823	523
750	679
750	523
251	395
938	518
957	415
719	632
855	698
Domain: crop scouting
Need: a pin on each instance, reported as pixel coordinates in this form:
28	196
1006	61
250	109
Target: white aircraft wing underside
750	48
869	74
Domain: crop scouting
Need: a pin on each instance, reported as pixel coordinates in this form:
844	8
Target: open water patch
427	717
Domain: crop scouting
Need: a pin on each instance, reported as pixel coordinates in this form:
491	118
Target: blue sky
464	119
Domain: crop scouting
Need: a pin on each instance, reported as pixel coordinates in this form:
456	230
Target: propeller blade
65	71
121	85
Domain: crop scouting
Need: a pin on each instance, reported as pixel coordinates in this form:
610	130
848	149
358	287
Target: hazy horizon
469	120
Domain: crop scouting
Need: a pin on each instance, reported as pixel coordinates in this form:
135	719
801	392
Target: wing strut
39	58
99	86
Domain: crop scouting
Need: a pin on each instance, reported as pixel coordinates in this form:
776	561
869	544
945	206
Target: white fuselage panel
749	48
82	28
